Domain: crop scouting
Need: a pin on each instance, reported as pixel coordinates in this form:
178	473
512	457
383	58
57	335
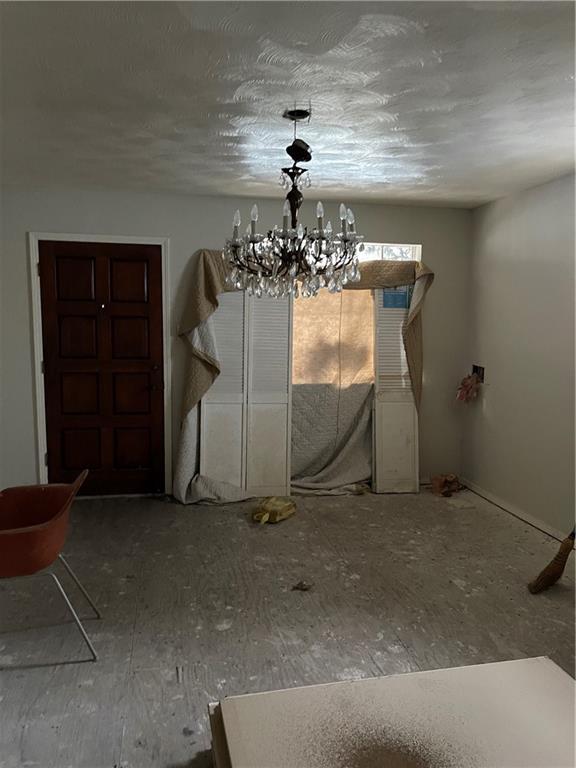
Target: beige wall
194	222
508	306
519	437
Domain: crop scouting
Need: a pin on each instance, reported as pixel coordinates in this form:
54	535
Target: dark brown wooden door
103	372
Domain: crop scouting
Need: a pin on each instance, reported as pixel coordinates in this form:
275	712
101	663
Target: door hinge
38	268
42	366
46	459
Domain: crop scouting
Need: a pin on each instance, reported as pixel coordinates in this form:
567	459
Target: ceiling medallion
291	260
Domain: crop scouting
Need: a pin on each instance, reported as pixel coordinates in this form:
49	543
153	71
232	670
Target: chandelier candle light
292	260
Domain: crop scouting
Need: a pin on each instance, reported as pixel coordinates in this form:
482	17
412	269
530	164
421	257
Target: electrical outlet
479	371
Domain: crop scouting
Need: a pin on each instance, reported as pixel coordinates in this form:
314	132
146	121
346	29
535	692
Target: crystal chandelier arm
242	261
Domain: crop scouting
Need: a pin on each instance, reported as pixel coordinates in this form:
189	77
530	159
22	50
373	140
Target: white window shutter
228	327
245	416
222	415
395	419
269	395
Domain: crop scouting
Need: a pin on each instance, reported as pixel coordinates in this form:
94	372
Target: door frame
34	239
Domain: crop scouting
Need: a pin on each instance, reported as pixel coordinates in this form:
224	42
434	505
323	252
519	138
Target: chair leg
79	585
75	617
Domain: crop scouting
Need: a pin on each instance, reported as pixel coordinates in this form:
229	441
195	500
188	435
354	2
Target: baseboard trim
515	511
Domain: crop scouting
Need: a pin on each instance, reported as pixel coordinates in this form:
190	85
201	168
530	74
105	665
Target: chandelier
291	259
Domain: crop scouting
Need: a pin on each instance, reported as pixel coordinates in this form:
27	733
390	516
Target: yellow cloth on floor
274	509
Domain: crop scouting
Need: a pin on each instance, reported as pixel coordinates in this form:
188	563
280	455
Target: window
390	252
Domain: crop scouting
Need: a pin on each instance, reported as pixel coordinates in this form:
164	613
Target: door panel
78	336
129	280
244	416
221	441
130	337
132	448
222	411
268	422
75	279
80	393
81	449
131	393
395	418
103	364
266	456
395	447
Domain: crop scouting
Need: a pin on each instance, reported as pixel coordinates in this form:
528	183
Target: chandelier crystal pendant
292	260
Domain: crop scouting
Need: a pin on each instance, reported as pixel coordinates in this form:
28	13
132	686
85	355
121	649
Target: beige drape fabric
208	281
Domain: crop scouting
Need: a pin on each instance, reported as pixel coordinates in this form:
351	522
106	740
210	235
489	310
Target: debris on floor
460	502
445	485
274	509
302	586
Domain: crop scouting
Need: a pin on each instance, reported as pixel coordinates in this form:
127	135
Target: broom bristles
554	569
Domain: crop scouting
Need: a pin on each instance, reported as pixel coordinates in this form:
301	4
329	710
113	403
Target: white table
513	714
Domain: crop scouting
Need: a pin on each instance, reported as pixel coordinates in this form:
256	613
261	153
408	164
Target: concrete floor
197	604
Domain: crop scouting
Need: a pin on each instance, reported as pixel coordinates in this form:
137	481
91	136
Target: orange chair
33	527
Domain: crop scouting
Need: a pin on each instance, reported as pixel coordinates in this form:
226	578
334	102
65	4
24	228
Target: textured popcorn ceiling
412	101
